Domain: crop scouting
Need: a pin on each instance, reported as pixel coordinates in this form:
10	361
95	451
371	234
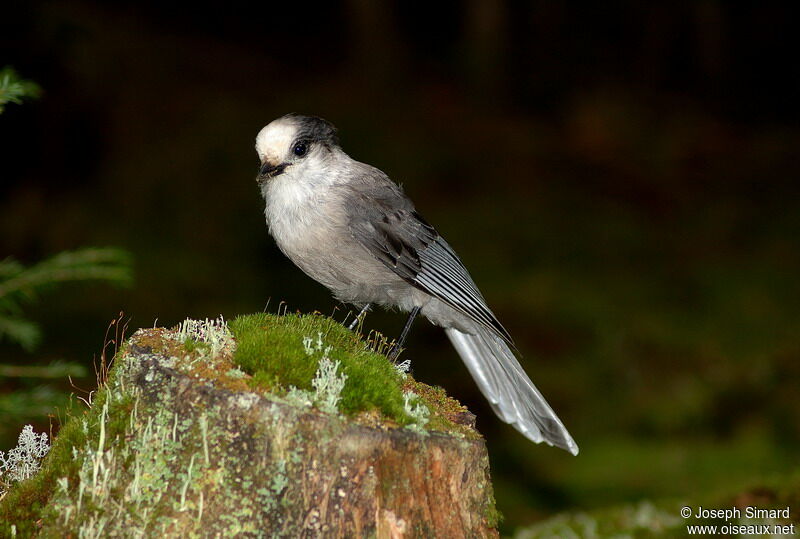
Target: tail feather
510	392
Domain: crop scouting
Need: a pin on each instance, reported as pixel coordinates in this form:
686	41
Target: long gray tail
511	393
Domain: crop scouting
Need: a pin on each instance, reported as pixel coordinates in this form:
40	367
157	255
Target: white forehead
274	139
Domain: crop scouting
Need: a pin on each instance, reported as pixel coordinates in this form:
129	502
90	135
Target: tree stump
238	462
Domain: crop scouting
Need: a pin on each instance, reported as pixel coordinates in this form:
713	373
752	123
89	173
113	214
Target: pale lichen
416	410
215	333
24	460
328	382
403	367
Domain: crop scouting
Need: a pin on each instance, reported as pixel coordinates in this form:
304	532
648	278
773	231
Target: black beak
268	170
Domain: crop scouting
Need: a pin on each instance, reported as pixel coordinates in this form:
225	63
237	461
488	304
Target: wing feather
386	224
508	389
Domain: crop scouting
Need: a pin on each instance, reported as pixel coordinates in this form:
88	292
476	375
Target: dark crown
314	129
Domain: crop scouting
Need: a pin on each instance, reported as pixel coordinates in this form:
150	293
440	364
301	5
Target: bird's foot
359	317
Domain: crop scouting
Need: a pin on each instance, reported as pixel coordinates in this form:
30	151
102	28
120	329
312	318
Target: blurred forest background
622	182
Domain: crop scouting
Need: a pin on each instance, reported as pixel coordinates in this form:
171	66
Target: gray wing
384	221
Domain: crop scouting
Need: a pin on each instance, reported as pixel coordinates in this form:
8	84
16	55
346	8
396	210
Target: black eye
300	149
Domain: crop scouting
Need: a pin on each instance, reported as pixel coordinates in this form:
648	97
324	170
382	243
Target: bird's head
294	142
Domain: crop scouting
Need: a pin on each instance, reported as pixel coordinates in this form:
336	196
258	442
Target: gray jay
351	228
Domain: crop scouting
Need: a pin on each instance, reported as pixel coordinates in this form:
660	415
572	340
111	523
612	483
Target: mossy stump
274	426
300	473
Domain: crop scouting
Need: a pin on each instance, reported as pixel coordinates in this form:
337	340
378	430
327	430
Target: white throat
300	202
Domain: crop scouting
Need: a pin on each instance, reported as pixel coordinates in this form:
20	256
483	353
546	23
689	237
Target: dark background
622	182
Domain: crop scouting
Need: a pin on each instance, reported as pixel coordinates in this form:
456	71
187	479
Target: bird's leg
395	351
357	319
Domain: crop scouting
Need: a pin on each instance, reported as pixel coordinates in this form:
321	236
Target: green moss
447	414
491	513
25	504
191	346
270	348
